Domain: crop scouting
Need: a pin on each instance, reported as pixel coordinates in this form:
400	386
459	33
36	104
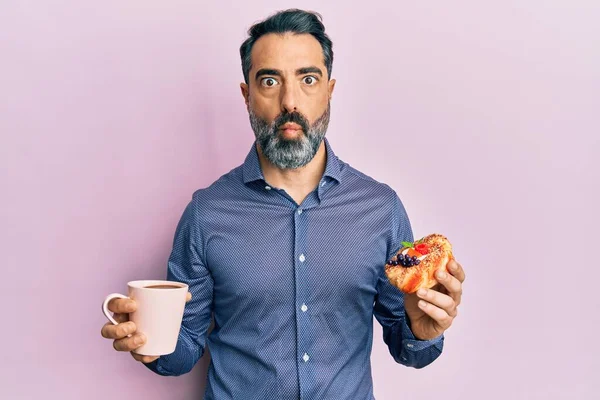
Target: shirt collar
253	172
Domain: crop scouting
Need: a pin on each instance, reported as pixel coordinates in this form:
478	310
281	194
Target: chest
265	258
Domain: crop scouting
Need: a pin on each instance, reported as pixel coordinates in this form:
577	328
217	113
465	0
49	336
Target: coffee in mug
159	313
161	287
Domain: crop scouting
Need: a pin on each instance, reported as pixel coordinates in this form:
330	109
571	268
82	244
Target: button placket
303	321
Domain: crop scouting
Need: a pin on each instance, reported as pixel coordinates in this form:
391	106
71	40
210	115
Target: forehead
287	52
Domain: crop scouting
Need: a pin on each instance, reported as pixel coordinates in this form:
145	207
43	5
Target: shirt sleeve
389	306
186	264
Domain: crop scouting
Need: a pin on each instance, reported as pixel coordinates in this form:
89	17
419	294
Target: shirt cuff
153	366
410	342
158	366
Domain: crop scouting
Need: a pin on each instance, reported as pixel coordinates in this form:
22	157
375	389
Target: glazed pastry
415	264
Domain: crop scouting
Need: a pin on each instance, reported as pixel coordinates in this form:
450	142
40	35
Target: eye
309	80
269	82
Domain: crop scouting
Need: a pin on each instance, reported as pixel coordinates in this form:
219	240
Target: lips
290	127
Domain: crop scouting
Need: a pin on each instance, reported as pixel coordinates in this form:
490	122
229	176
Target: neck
299	181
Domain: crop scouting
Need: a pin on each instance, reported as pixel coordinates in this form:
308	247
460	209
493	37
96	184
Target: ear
245	92
331	85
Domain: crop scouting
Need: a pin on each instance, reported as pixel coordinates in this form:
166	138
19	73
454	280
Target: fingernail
422	304
422	292
442	275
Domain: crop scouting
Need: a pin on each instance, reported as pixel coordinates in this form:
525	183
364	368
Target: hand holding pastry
431	279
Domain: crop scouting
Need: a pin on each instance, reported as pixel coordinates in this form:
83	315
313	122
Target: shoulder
223	187
359	181
381	194
205	201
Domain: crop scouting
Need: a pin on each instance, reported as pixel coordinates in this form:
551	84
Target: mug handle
107	313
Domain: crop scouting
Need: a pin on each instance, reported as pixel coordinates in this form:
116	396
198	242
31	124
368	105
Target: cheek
265	115
318	108
264	109
265	105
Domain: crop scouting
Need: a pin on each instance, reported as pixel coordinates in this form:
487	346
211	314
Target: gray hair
292	20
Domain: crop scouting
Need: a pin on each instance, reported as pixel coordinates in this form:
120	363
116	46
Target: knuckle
122	306
122	345
121	330
446	316
449	320
129	344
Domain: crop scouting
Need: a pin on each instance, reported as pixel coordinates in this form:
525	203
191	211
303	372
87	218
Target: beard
289	153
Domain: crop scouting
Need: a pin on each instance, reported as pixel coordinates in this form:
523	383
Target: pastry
415	264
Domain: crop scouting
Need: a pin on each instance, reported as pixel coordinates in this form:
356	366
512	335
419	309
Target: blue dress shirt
292	288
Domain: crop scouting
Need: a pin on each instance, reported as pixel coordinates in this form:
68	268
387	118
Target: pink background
482	115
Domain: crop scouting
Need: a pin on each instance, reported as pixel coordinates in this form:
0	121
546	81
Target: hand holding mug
147	322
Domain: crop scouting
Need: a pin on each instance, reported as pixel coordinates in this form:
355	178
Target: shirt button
410	345
305	357
299	211
302	258
323	183
268	187
304	308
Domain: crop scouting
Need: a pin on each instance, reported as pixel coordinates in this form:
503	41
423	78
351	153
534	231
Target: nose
289	98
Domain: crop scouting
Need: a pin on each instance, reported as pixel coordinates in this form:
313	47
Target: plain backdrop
482	115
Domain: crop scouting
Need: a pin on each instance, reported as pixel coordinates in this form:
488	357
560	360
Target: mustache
293	117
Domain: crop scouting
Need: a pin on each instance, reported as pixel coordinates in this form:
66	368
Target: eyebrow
299	71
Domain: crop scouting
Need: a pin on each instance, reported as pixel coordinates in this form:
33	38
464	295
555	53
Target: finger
129	343
452	285
188	297
121	317
457	270
439	315
112	331
143	359
122	306
438	299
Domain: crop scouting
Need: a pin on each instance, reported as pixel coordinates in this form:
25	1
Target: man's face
287	96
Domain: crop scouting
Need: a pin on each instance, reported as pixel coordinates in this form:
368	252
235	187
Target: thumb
143	359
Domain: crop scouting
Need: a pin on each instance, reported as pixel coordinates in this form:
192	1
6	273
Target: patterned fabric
293	288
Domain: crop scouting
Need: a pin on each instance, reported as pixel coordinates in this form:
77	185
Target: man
288	249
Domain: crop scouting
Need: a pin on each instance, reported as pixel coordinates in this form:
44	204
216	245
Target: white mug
158	316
